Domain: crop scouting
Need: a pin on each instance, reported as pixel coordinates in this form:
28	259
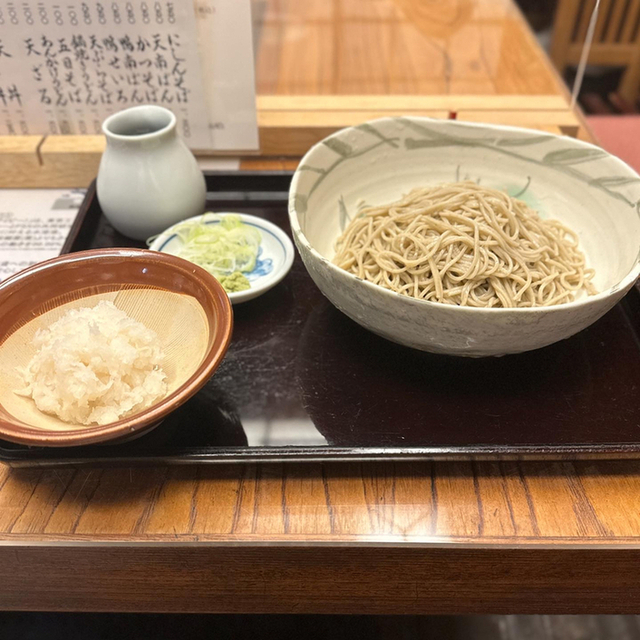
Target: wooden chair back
616	40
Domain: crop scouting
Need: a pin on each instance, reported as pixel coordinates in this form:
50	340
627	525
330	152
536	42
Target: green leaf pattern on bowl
423	136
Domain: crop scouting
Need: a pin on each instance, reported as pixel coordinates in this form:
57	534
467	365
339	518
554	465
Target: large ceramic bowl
581	185
185	306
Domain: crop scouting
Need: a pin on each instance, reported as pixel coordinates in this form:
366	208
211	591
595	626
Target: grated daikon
94	366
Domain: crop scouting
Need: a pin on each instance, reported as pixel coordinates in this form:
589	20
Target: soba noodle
466	245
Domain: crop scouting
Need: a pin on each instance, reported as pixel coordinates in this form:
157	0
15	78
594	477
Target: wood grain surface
365	60
503	503
340	538
397	47
360	538
287	126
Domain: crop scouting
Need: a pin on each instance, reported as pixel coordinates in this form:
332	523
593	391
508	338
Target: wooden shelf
288	126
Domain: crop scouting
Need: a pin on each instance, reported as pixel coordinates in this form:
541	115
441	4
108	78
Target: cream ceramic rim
142	136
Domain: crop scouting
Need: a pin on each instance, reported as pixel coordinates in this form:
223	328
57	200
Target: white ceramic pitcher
148	178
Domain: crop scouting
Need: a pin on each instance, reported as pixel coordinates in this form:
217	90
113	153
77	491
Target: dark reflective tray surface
302	381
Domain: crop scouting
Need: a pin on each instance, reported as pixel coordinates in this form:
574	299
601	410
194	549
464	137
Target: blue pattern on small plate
262	268
267	272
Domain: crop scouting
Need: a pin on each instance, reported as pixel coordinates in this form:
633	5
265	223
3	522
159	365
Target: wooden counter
345	538
326	64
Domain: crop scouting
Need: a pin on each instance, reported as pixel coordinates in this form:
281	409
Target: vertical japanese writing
11	93
69	64
124	70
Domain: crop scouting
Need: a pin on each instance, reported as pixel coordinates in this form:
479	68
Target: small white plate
275	255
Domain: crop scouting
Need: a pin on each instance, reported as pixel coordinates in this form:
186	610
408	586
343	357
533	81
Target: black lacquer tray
301	381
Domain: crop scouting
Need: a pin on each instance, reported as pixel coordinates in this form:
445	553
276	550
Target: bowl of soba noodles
466	239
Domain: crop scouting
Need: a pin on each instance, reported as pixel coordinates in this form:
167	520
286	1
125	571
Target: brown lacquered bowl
186	306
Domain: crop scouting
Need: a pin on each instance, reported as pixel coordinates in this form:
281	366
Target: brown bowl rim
154	414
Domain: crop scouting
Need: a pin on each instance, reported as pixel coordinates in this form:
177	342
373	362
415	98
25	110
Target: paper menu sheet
226	52
34	223
64	67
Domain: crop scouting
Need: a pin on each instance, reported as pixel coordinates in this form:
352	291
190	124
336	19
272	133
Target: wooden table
342	538
347	47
